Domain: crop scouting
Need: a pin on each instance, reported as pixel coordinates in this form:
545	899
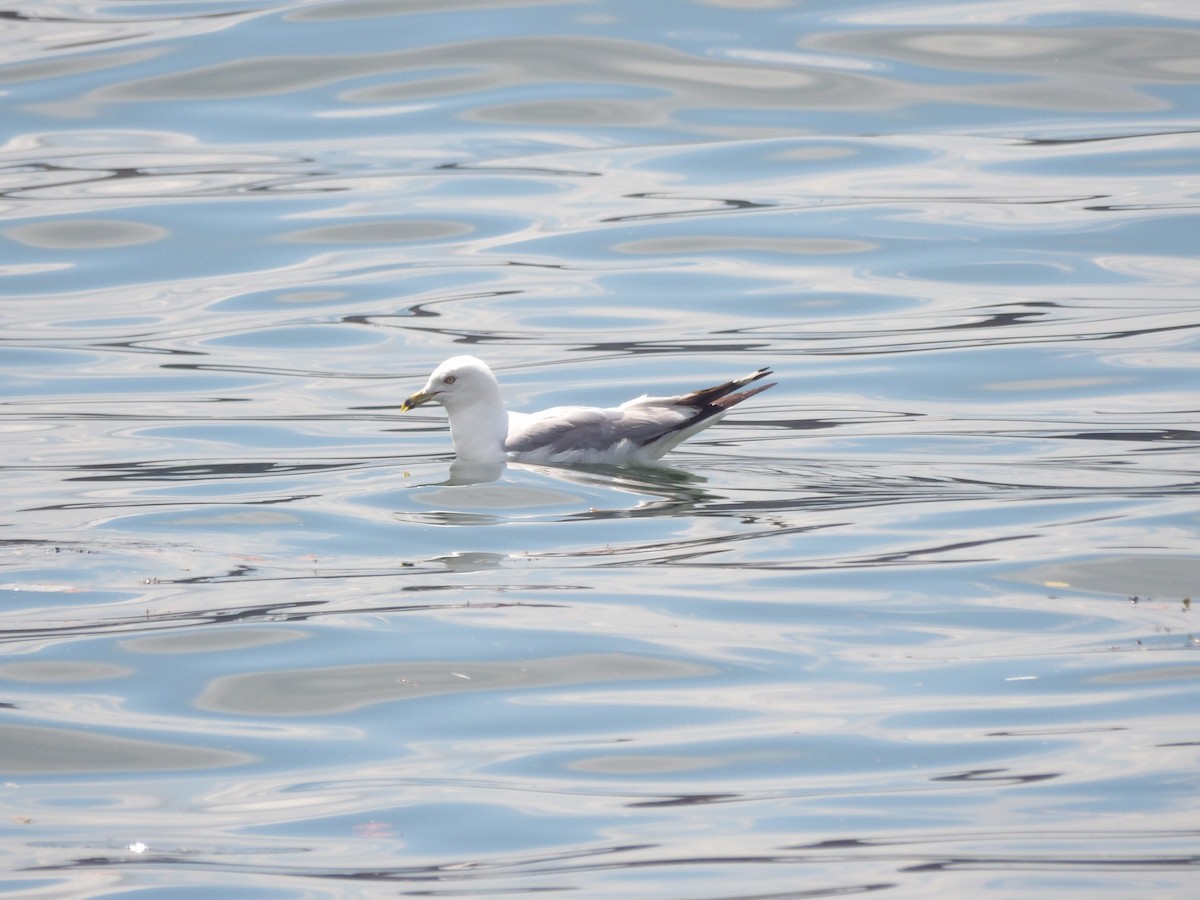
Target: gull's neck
479	426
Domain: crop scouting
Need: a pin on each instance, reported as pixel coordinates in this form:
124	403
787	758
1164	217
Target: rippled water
916	620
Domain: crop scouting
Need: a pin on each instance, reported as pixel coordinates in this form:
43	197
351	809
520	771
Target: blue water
916	621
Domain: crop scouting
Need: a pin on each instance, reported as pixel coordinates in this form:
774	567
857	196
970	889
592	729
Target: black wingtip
713	396
733	399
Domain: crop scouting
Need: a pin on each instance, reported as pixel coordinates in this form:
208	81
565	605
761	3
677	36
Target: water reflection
1097	70
329	691
467	472
28	750
490	494
84	234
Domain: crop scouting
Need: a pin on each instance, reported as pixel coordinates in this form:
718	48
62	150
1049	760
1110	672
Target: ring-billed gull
637	431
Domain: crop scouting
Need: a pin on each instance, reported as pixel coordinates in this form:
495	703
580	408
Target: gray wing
646	427
584	429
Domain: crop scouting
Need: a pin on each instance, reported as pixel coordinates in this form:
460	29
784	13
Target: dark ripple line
563	864
492	169
914	557
722	205
292	611
164	470
817	341
257	183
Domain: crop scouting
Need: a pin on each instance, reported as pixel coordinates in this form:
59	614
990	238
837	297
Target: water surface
916	620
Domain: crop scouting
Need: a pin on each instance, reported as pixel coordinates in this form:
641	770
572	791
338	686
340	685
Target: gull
638	431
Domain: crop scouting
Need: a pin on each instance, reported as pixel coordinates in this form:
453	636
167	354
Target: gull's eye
449	379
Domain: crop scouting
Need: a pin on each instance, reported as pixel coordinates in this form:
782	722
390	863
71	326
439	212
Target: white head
458	382
471	395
